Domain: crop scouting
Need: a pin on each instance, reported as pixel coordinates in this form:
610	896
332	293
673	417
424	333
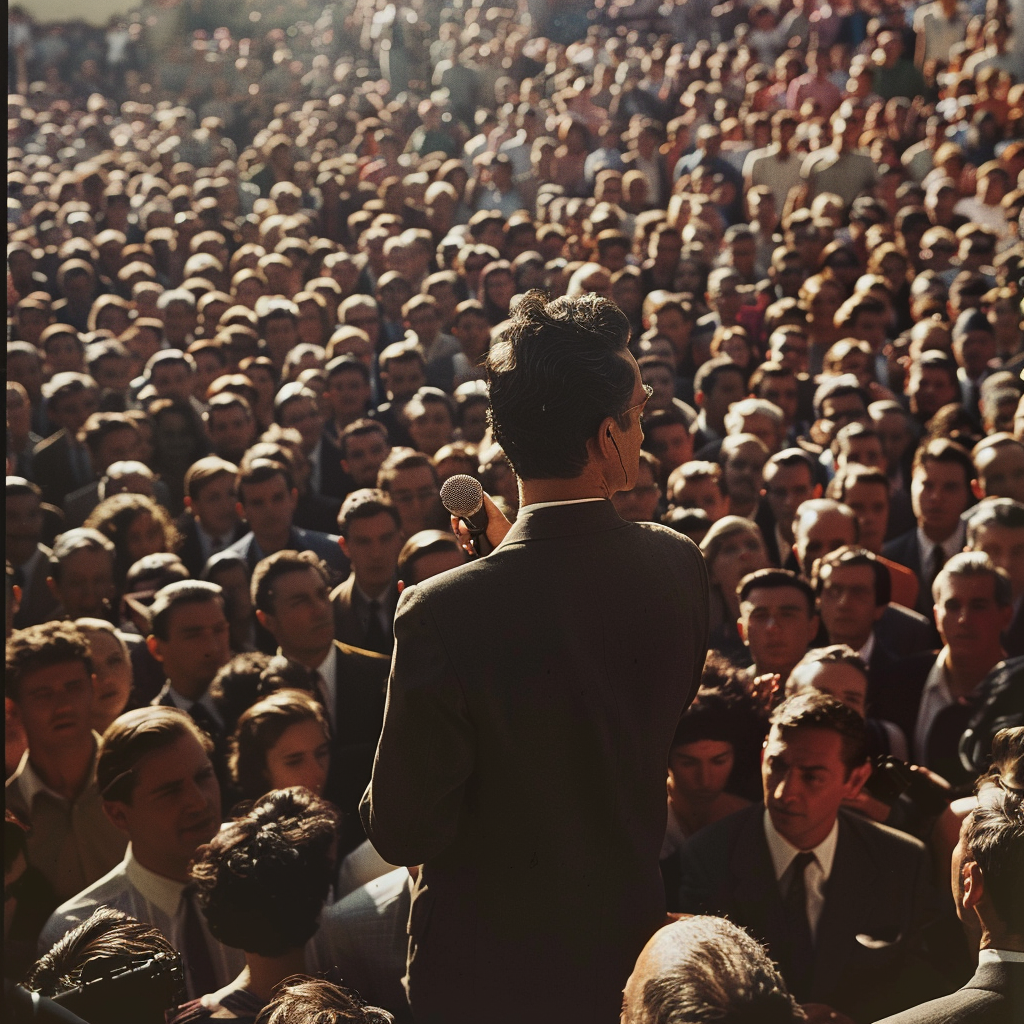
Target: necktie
937	561
202	978
204	720
375	639
800	952
323	694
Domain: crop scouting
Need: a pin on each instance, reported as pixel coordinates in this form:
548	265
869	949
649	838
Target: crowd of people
257	258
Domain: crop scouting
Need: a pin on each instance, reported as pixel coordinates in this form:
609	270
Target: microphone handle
477	526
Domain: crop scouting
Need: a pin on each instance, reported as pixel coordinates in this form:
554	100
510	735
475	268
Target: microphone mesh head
462	495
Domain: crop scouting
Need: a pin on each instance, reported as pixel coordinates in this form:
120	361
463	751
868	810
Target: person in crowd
410	481
821	525
428	553
136	525
160	791
705	966
997	528
364	605
210	523
315	1000
81	575
49	683
261	883
788	482
61	462
766	868
363	447
28	556
112	670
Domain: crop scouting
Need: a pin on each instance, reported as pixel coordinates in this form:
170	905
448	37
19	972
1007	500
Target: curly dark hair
263	879
113	518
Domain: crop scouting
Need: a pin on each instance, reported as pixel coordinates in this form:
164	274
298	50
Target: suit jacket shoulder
995	995
904	549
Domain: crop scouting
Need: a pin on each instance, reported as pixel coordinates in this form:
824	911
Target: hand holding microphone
476	520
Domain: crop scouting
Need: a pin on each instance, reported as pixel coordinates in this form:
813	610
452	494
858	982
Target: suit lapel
755	887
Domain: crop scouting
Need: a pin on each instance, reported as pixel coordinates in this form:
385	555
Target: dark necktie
204	720
936	562
375	639
202	978
800	952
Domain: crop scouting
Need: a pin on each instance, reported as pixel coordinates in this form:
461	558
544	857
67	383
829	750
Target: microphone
463	497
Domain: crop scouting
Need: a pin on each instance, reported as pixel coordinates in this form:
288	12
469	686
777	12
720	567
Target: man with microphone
533	698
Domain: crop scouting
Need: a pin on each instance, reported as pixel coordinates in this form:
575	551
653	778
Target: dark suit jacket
878	900
37	603
349	612
52	469
904	549
191	553
903	632
995	995
531	706
323	544
1013	638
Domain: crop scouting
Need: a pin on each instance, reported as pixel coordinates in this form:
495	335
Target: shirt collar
868	649
31	785
166	893
782	851
327	667
551	504
953	544
184	704
996	956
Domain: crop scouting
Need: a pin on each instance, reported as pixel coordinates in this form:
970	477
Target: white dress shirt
328	672
816	873
996	956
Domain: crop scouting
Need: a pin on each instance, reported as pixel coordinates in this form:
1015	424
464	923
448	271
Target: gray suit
532	702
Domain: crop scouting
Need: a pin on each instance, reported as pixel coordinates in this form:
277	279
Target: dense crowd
256	259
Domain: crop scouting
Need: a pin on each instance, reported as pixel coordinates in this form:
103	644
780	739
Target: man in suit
364	605
997	528
840	901
940	492
292	600
210	523
23	528
267	498
60	463
533	698
788	483
110	437
989	900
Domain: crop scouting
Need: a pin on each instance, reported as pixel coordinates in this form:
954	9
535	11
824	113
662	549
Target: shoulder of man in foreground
81	906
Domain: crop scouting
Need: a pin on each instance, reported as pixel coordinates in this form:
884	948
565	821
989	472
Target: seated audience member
996	527
160	790
48	681
261	882
267	499
742	458
788	483
229	571
112	670
189	637
777	622
364	447
999	464
28	899
985	883
230	425
111	969
840	901
940	492
292	601
718	383
821	526
409	479
698	485
867	491
702	969
853	587
110	437
210	522
733	548
693	522
137	526
365	603
427	554
60	462
640	503
973	606
322	1002
667	437
30	558
430	419
82	575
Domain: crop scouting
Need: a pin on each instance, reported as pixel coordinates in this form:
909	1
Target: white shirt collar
868	649
996	956
953	544
328	673
164	892
782	851
551	504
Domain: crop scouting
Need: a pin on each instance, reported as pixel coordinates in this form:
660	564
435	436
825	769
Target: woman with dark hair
262	882
178	440
137	526
497	286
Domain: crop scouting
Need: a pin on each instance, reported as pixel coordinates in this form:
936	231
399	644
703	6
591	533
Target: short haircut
178	595
204	471
838	387
419	545
707	377
833	654
851	475
366	503
263	879
942	450
347	364
259	471
976	563
711	716
715	973
314	1001
847	555
775	579
359	428
818	710
398	460
39	647
100	425
258	730
819	506
556	371
993	837
788	458
998	512
270	569
95	951
131	737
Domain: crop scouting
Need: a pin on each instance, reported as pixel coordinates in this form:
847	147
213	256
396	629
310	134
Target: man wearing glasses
533	698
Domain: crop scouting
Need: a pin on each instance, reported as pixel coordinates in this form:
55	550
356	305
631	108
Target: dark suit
904	549
191	553
351	613
37	603
323	544
903	632
53	469
532	702
995	995
878	899
1013	638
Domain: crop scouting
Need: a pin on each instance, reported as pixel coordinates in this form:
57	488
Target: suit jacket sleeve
427	746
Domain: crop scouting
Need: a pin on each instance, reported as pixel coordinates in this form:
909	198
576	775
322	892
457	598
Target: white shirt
995	956
315	470
868	649
935	696
148	897
816	873
328	675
